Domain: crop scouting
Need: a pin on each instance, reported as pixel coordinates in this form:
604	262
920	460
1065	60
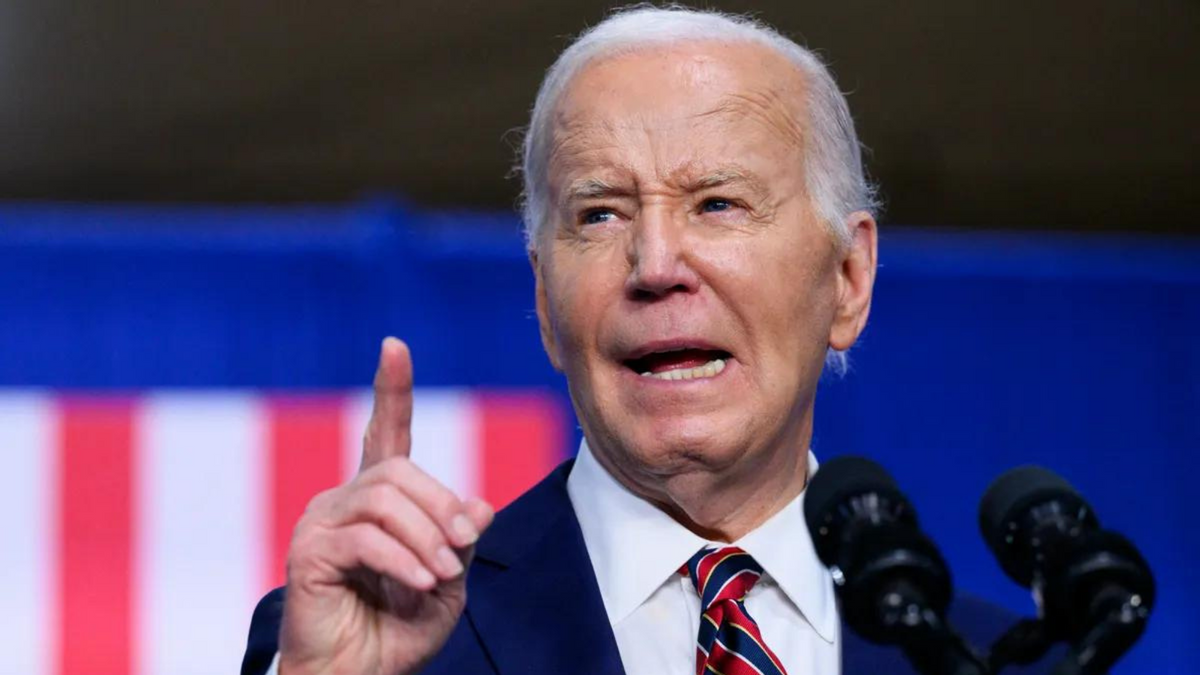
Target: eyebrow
593	188
721	177
596	188
731	175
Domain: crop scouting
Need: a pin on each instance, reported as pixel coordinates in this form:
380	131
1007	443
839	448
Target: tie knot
726	573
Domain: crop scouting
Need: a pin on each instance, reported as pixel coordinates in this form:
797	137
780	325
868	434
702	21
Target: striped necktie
729	642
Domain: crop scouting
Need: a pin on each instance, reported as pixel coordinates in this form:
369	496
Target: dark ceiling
1062	115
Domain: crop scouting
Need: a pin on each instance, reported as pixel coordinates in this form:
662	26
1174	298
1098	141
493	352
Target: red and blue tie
729	642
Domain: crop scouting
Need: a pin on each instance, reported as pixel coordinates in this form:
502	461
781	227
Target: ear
855	280
549	343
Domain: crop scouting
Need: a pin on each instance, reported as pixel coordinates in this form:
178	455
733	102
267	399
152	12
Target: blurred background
211	213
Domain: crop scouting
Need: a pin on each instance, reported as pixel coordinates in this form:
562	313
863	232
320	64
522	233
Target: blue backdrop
984	350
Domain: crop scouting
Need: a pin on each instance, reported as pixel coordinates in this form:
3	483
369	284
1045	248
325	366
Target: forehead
691	104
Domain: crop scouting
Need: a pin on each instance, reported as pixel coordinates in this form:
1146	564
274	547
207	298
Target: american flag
140	529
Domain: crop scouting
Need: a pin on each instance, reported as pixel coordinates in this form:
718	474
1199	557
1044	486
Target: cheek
585	284
783	294
576	312
564	319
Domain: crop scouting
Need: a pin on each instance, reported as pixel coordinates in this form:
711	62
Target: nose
659	256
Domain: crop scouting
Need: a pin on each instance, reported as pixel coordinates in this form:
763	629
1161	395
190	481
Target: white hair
834	176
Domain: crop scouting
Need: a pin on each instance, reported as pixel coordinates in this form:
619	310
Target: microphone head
1007	506
863	527
1046	537
834	483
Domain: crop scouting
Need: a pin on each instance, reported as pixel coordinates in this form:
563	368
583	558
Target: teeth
709	369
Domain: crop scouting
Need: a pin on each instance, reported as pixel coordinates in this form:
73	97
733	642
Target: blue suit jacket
533	605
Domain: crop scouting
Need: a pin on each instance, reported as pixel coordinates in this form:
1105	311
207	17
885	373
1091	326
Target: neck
728	503
727	508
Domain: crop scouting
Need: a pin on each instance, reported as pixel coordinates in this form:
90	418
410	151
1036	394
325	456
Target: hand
376	578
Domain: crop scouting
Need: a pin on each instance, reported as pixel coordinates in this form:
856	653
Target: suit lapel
532	595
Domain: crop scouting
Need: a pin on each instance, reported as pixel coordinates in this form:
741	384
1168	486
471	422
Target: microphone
1092	586
893	584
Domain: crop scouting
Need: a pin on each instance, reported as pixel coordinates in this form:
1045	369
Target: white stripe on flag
27	566
445	438
202	530
355	415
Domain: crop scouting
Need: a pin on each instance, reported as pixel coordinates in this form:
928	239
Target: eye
716	205
597	216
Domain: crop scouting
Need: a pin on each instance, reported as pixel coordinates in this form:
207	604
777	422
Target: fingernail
449	562
485	508
423	578
464	530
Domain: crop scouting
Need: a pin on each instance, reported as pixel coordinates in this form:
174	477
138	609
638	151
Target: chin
678	444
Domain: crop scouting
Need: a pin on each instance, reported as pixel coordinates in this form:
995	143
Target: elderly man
703	240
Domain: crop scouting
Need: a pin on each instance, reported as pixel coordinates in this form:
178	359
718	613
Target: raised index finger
389	433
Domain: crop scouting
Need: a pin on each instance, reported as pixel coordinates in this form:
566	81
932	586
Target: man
702	237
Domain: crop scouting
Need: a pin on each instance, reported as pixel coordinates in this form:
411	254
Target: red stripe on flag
96	537
521	437
304	458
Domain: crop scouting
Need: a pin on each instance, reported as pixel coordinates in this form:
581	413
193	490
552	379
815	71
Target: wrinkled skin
680	216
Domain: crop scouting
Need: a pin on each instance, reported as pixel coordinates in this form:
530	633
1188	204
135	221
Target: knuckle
298	547
303	548
446	505
354	537
321	502
414	528
395	469
398	463
431	538
377	498
376	472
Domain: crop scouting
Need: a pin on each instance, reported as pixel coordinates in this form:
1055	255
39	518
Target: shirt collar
635	547
785	550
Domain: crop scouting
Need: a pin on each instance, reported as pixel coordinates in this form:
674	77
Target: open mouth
685	363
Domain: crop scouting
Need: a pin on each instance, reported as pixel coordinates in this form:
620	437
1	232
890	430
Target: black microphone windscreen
1014	492
838	479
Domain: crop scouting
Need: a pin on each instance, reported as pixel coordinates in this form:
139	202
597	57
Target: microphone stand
1026	642
1123	622
928	642
933	647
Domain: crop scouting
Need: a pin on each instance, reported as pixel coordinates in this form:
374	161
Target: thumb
481	514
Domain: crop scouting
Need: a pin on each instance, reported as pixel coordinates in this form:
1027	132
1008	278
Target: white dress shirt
637	550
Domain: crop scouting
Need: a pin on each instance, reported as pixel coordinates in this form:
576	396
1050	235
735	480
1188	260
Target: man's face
685	285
